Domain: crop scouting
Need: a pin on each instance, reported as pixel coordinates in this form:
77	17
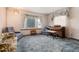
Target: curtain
25	23
60	20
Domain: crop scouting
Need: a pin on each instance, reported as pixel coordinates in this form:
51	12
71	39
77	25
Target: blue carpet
42	43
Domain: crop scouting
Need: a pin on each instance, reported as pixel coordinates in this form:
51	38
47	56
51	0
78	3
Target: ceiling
43	10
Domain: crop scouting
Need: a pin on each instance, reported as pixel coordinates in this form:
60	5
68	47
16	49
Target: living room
34	35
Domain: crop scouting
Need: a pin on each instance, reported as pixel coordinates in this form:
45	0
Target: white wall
14	18
2	18
73	24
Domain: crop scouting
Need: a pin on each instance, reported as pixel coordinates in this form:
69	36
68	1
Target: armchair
11	30
18	34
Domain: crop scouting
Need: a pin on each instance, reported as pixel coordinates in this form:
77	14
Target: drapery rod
31	15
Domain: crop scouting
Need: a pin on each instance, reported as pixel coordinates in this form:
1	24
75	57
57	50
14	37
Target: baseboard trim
73	38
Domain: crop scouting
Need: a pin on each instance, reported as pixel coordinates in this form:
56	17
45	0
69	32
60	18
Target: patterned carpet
43	43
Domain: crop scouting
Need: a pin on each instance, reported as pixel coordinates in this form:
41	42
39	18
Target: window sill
30	28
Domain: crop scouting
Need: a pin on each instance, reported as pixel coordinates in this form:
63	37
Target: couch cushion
19	35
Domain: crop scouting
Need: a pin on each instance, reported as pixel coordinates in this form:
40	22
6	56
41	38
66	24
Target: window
32	21
60	20
38	23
